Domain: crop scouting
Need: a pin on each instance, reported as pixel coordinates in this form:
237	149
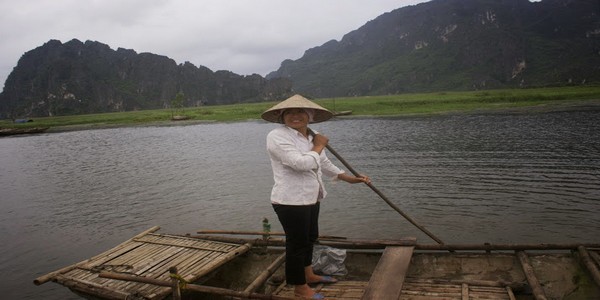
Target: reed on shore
533	99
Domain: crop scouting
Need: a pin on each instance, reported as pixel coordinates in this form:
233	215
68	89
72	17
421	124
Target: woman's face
295	118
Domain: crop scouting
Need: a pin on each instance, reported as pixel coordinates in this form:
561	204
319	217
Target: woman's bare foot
305	292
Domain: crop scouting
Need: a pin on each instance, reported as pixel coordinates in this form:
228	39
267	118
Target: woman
299	162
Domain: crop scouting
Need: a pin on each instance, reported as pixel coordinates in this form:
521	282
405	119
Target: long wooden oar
392	205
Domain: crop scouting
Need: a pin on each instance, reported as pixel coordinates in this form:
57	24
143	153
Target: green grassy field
393	105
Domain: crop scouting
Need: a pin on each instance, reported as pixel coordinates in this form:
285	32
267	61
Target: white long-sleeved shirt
297	170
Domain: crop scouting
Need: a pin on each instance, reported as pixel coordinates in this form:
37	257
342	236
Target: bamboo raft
146	255
223	265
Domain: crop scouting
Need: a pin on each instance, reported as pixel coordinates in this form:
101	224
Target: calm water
471	178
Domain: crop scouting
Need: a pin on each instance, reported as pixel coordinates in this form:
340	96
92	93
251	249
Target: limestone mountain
441	45
457	45
90	77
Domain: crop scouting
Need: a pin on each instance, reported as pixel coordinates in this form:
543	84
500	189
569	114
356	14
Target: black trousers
301	226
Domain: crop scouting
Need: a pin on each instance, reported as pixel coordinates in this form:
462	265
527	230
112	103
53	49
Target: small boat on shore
248	265
179	118
342	113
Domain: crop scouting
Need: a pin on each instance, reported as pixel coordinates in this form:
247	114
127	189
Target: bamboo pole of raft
175	283
192	287
381	244
501	247
536	287
589	264
260	280
510	293
595	256
465	291
380	194
89	287
232	232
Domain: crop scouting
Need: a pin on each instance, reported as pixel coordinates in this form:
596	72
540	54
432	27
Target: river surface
500	178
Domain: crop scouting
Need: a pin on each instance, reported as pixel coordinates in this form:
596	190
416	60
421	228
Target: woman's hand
354	179
319	142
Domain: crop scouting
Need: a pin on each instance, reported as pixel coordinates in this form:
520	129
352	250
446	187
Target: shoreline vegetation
402	105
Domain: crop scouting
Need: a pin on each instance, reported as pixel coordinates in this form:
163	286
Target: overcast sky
242	36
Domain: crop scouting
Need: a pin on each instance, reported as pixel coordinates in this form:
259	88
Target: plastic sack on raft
329	261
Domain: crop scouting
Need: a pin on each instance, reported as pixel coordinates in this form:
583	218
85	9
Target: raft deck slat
413	289
388	277
148	255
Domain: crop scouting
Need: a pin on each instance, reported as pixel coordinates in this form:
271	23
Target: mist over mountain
441	45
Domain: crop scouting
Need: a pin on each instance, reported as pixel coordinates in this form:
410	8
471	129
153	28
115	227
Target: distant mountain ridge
90	77
441	45
457	45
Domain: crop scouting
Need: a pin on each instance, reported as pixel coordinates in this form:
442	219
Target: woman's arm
282	148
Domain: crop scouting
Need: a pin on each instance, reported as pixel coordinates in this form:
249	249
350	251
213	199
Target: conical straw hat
273	114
